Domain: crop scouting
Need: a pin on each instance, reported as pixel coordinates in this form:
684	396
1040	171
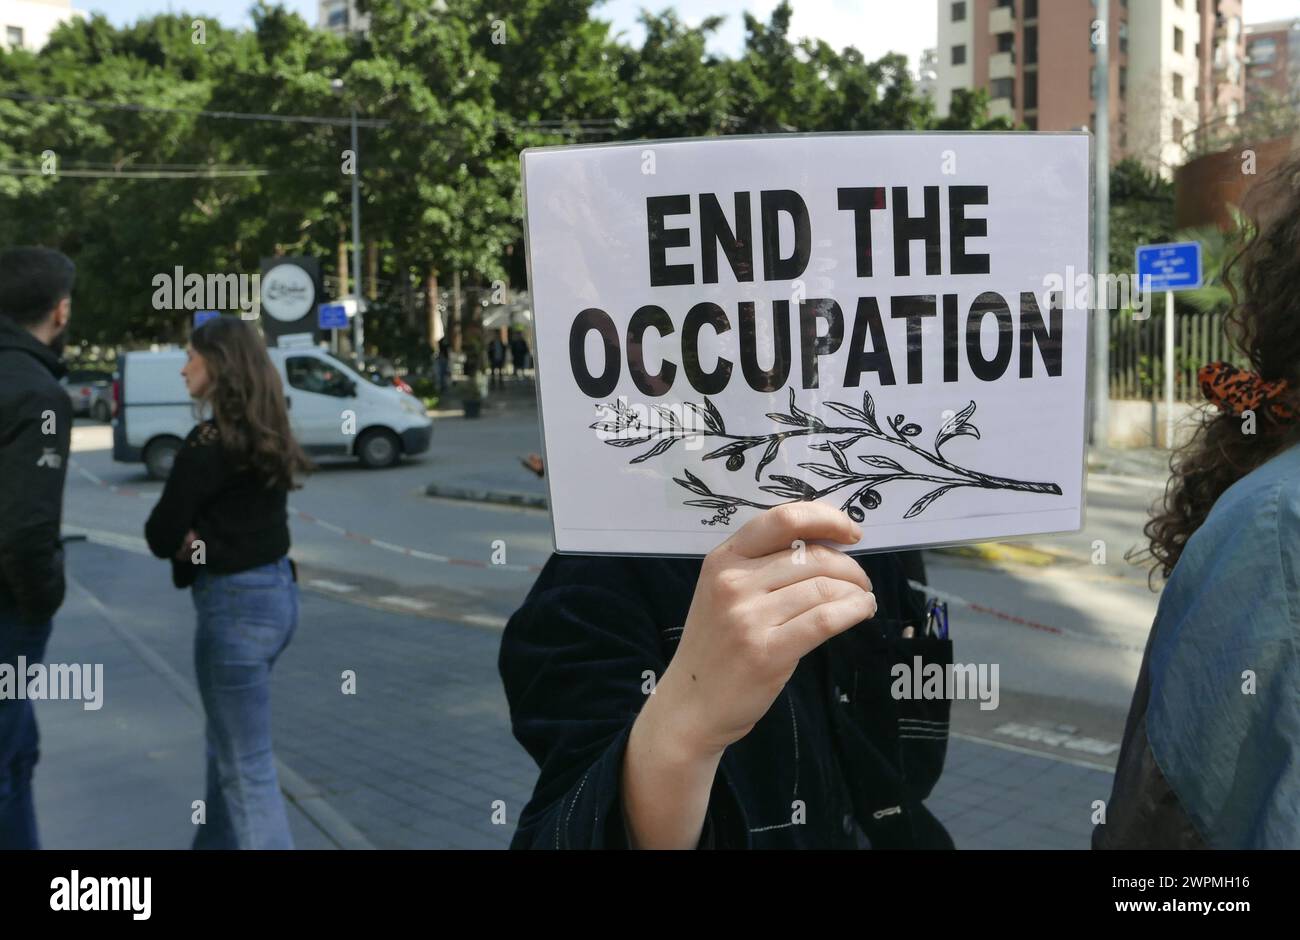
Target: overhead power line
550	125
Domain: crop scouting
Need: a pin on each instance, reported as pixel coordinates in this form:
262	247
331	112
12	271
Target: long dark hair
247	401
1264	323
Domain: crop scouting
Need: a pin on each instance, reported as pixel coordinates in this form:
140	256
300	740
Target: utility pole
1101	232
358	325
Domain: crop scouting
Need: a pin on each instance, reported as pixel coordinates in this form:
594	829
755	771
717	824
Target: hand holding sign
759	607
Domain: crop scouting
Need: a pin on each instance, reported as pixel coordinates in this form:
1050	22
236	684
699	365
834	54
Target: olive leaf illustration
840	474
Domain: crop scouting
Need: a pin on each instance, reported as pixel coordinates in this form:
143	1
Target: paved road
402	588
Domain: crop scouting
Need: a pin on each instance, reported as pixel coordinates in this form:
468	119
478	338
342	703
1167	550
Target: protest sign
875	321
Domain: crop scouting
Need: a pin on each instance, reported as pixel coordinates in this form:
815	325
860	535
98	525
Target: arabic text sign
729	324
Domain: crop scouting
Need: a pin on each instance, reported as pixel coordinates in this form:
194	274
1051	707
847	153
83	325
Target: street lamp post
358	323
1101	234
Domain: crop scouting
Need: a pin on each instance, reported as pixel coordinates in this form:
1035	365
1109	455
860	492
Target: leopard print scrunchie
1238	390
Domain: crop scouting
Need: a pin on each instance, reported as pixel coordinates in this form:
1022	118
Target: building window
959	55
1123	80
1261	51
1092	82
1178	40
958	12
338	17
1178	86
1031	45
1177	128
1123	37
1003	88
1031	90
1031	9
1008	3
1006	42
1031	123
14	36
1178	3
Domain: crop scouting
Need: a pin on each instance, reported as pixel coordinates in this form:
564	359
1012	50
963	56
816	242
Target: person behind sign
741	701
222	521
1211	749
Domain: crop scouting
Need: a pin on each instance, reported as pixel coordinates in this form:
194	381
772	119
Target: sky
873	26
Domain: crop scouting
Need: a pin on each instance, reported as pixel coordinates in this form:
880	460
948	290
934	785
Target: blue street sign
1175	266
332	317
203	316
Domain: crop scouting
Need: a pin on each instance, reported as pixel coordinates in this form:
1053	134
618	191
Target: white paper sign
883	322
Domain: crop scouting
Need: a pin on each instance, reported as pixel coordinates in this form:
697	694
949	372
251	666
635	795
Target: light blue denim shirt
1224	716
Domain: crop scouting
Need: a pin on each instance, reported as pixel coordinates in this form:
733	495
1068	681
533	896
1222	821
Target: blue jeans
19	741
245	622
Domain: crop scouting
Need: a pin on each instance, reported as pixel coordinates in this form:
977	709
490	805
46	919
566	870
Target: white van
154	412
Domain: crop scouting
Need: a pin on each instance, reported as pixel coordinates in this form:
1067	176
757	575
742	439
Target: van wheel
101	412
379	448
160	455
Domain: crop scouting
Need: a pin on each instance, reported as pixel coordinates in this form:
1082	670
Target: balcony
1002	107
1002	65
1001	20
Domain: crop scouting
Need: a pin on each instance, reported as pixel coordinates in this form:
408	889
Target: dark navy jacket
835	763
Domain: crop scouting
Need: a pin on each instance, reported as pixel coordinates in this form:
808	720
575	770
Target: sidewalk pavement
415	759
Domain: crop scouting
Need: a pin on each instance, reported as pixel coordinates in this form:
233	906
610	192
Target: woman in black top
740	702
222	521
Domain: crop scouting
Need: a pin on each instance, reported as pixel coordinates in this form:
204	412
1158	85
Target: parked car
91	391
332	409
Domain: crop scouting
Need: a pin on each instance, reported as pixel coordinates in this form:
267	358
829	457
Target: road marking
1070	742
336	586
130	543
1019	749
409	603
956	601
486	620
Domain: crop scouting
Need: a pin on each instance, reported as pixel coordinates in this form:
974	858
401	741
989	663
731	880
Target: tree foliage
448	93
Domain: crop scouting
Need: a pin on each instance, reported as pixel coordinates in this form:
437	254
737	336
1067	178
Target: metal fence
1137	353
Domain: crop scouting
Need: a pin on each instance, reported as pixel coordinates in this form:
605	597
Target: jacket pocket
919	687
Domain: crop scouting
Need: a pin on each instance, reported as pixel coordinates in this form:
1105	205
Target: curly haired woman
1211	752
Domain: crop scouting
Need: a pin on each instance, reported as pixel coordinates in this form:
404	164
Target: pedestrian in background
443	365
496	352
1211	749
519	353
35	434
222	521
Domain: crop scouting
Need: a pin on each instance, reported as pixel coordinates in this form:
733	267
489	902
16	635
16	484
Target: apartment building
341	17
27	24
1173	65
1273	59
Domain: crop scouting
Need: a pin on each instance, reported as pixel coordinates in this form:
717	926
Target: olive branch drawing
628	431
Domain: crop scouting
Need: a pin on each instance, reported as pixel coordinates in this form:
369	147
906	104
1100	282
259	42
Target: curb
1019	554
499	497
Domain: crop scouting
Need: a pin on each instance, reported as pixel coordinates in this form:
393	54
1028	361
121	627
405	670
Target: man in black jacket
35	431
